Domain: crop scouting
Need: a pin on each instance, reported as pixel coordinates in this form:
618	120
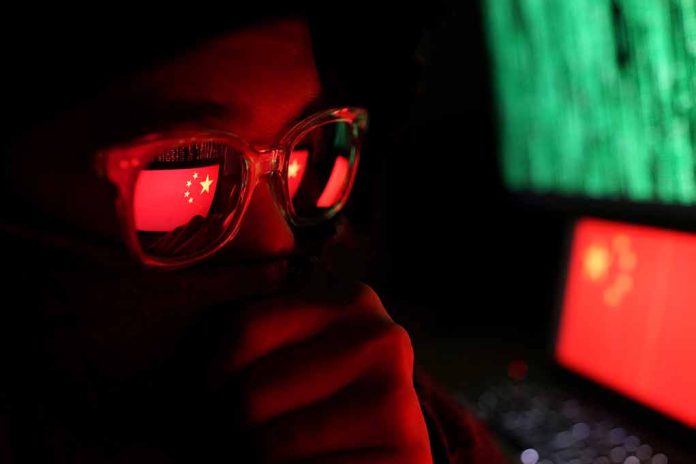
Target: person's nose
264	231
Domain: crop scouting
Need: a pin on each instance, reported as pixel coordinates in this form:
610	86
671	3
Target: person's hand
329	381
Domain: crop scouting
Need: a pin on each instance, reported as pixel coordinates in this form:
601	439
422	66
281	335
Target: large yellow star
596	261
294	168
206	184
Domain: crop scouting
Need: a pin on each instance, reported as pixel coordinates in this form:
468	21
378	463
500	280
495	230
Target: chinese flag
165	199
336	184
297	165
629	315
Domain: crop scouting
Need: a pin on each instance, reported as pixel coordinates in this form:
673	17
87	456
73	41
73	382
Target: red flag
165	199
296	170
629	315
336	184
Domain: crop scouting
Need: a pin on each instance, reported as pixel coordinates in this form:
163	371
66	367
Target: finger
270	324
319	367
362	421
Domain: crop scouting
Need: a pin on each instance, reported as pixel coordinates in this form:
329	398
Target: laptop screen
628	319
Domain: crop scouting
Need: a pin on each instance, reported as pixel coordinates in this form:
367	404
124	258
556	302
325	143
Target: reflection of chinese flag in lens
629	316
165	199
336	184
296	170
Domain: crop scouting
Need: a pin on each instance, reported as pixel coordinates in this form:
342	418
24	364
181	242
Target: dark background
457	258
473	271
456	255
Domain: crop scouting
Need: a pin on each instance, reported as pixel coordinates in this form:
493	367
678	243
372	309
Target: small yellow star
195	175
294	168
191	200
596	261
187	193
206	184
188	183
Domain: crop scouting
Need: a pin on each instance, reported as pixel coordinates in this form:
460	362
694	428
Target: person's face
252	82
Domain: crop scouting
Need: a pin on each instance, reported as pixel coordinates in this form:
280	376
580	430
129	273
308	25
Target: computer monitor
628	319
596	99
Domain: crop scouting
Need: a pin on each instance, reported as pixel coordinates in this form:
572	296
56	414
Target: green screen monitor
596	98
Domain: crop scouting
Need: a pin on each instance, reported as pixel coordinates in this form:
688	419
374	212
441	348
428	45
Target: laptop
620	383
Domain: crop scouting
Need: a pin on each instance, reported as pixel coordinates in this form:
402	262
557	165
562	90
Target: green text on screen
596	98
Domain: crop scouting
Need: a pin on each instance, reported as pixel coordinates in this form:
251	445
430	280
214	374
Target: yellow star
187	193
206	184
191	200
188	183
596	262
294	168
195	175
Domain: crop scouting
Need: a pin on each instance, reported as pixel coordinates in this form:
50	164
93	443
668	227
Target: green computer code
596	98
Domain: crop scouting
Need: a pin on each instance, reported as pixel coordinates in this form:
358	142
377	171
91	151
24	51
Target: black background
455	254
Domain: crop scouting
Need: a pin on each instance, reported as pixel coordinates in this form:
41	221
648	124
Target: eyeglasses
182	195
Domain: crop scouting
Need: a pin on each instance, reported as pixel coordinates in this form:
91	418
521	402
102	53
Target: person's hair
57	59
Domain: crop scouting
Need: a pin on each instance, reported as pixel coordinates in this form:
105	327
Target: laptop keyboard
550	426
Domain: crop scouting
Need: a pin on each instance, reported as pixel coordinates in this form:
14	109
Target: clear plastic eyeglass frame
122	165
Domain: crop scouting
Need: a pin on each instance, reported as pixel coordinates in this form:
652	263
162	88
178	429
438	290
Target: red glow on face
336	184
628	317
296	170
165	199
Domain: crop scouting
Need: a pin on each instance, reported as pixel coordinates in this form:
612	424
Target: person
215	339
